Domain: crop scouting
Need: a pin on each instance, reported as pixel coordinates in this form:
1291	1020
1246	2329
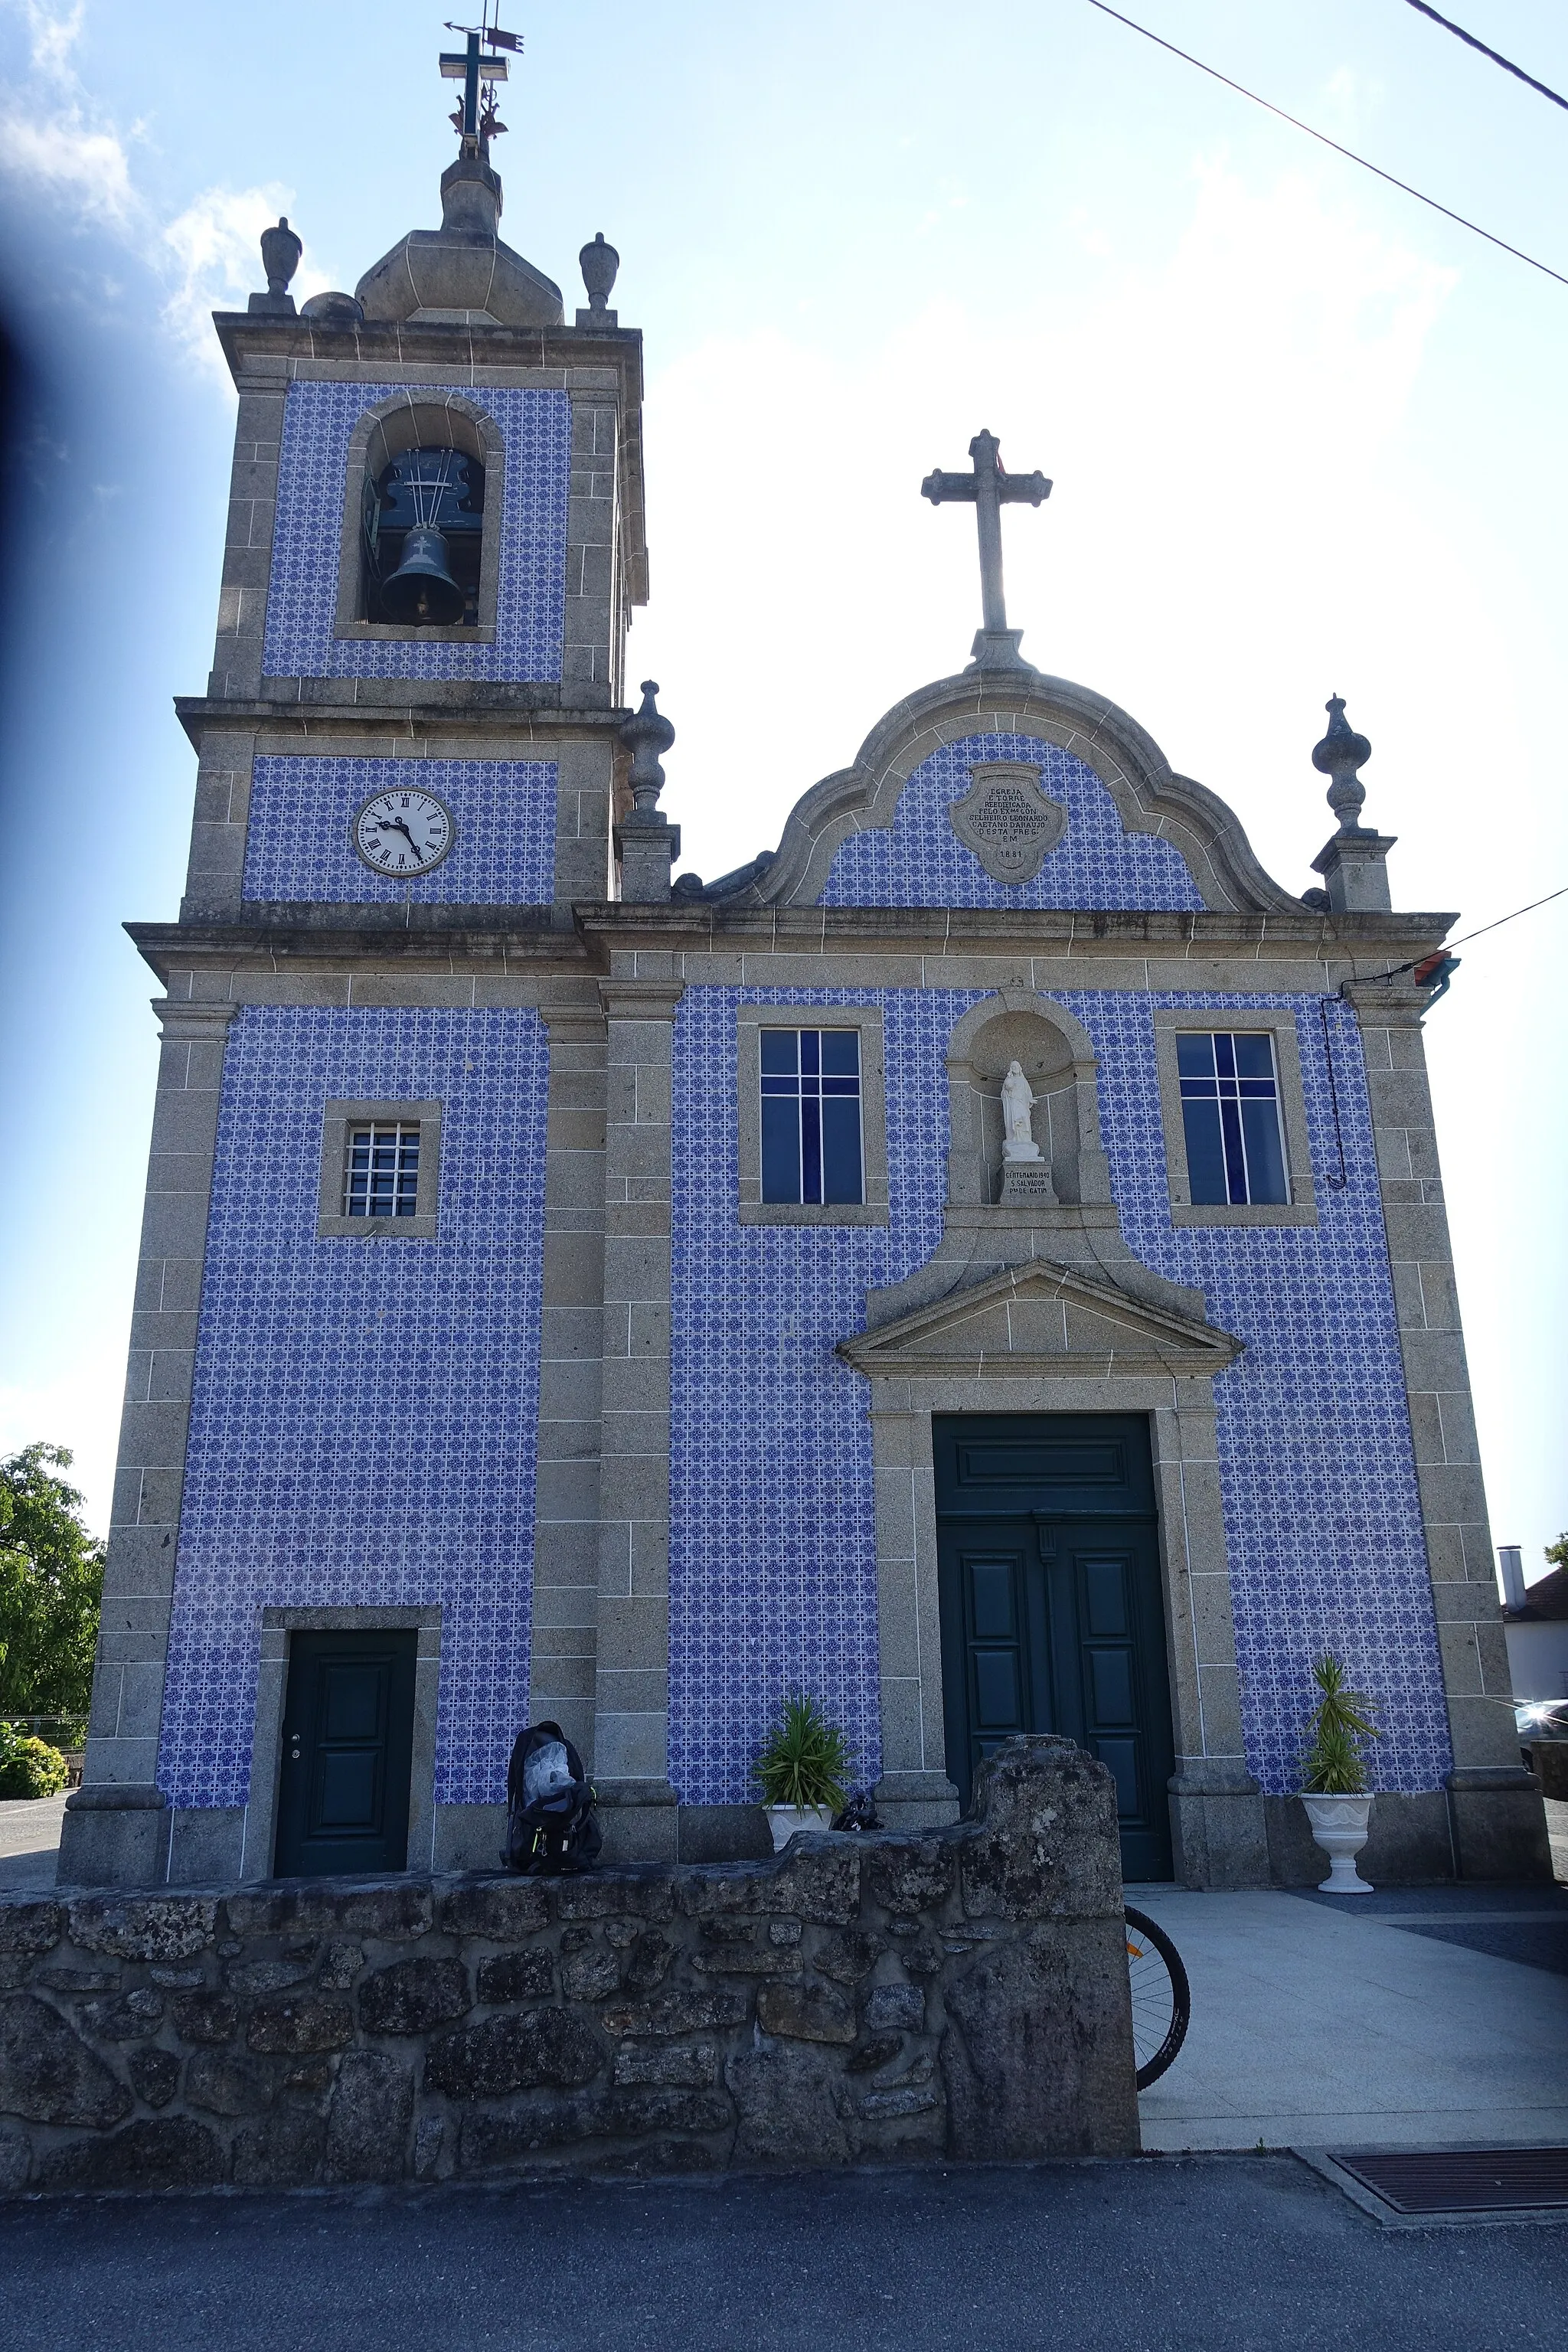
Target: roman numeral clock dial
402	834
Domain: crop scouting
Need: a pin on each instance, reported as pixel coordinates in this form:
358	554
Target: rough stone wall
962	1995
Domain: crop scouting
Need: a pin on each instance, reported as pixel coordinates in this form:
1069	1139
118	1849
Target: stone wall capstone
961	1995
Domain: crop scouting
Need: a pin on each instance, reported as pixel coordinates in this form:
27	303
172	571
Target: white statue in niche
1017	1105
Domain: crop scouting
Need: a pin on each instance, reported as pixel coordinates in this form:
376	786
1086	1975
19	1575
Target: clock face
402	834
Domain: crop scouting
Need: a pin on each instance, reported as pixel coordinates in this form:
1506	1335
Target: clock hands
397	825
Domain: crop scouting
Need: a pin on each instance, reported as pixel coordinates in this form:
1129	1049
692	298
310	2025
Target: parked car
1542	1718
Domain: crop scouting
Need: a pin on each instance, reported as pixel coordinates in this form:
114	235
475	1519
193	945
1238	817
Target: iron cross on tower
475	120
988	488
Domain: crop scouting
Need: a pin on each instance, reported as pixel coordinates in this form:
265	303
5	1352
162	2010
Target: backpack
551	1828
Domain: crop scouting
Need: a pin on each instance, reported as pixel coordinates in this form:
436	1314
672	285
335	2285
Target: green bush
28	1767
1333	1764
805	1759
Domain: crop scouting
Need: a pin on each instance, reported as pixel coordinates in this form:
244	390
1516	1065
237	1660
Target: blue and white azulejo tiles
365	1417
772	1551
919	861
301	603
298	841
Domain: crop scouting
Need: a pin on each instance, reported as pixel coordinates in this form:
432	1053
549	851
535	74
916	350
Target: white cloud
212	247
53	34
80	1410
1213	422
85	162
207	254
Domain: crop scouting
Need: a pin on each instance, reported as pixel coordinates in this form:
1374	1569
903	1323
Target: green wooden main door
1052	1619
348	1749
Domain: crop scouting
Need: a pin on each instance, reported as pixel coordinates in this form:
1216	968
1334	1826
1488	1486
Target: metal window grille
1230	1115
811	1116
382	1178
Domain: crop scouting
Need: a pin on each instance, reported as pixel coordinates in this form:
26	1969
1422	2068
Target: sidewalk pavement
1417	2017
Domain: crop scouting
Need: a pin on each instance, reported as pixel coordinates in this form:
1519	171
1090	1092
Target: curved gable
1135	837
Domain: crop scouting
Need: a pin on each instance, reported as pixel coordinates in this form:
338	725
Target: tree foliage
1557	1553
51	1586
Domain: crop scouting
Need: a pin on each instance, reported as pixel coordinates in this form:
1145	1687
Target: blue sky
1306	438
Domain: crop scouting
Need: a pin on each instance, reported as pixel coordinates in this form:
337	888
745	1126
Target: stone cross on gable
988	488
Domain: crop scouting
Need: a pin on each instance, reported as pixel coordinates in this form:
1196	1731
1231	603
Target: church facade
982	1264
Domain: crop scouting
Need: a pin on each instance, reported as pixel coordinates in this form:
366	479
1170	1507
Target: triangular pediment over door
1043	1317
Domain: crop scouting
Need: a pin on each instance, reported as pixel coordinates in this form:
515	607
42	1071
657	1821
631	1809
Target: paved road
29	1839
1168	2254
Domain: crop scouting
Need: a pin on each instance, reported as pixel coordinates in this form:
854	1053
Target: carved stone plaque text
1006	820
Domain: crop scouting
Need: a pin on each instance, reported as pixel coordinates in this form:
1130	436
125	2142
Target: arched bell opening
421	539
422	477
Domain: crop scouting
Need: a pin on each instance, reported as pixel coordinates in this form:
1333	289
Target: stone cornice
329	706
498	937
1328	946
698	926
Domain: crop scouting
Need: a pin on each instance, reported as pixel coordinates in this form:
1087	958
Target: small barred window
382	1178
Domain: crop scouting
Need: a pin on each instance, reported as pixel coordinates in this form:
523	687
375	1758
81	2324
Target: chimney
1512	1571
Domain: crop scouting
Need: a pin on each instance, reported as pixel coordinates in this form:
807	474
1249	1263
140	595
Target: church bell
422	589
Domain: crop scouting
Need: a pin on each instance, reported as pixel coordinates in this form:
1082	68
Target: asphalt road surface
1151	2256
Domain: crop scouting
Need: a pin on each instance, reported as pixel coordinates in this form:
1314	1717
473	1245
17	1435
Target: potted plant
801	1770
1333	1776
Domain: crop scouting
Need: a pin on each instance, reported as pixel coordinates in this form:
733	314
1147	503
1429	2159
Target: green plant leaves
805	1759
1333	1764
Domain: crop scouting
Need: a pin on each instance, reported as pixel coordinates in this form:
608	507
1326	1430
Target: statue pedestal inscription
1026	1184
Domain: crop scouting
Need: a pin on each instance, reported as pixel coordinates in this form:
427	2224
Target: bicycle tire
1166	2055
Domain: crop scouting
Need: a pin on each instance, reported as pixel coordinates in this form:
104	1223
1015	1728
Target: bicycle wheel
1162	2003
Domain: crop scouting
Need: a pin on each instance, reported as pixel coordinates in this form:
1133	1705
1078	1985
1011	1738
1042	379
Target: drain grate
1462	2180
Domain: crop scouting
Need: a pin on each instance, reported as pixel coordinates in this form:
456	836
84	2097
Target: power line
1322	137
1496	54
1394	971
1511	918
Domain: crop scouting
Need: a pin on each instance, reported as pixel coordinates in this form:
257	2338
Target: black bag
859	1812
551	1828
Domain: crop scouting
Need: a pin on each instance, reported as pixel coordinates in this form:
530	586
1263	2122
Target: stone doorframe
255	1860
1042	1338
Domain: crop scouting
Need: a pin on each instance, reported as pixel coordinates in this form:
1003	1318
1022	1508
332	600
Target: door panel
1052	1614
347	1742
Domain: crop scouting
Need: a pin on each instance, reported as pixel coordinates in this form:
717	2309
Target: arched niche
1057	1058
386	432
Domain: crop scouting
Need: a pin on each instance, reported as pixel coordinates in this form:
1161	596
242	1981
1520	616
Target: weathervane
475	119
988	489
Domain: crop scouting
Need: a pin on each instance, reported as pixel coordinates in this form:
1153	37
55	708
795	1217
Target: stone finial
647	843
599	262
281	251
1353	861
1339	755
646	735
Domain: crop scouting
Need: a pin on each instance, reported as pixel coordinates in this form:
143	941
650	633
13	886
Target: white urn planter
1339	1824
784	1820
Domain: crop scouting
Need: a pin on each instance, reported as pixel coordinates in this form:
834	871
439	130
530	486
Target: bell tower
407	773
